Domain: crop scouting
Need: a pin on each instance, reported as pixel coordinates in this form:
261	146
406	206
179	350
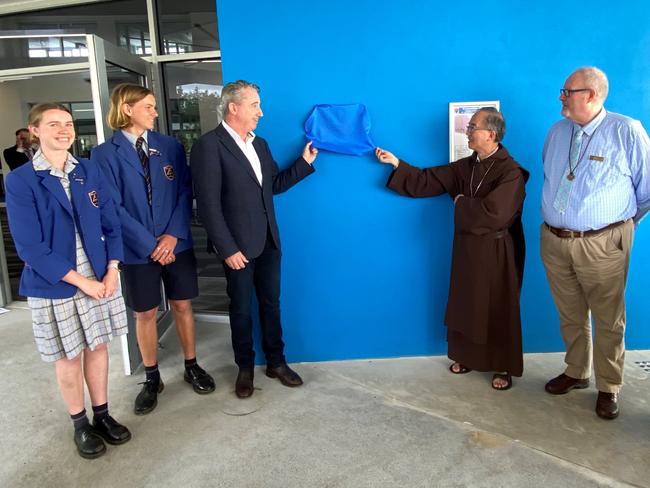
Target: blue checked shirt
612	176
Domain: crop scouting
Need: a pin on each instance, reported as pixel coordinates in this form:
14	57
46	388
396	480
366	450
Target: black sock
79	420
152	373
190	362
100	412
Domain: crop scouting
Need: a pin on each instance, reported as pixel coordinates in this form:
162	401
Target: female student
67	232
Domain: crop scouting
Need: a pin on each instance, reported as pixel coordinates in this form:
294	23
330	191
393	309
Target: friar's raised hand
386	157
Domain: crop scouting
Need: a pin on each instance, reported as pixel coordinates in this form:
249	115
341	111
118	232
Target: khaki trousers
588	274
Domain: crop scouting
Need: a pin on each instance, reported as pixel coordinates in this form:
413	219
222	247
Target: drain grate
644	365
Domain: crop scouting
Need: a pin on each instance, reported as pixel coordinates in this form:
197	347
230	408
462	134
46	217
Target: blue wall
365	272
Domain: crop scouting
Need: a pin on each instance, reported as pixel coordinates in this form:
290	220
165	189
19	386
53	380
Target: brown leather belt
567	233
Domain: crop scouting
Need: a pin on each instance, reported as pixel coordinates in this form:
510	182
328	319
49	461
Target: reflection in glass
56	47
134	38
121	22
117	75
193	90
187	26
42	51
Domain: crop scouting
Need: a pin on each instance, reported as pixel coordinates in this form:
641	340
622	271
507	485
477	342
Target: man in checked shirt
596	189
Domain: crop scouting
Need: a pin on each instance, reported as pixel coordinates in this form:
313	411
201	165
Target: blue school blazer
171	209
42	223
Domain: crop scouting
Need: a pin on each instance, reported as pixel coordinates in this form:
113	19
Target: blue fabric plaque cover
343	129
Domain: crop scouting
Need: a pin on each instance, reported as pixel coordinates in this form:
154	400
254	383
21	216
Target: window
135	38
104	19
187	26
41	51
193	92
56	47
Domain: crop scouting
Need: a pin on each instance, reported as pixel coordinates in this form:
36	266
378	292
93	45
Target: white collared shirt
248	149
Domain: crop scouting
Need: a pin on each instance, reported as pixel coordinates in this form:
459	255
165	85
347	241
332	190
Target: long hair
124	93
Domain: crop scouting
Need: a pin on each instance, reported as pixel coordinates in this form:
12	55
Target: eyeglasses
566	93
471	128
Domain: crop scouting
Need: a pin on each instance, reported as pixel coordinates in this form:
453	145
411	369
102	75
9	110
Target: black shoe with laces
201	381
147	399
111	430
89	444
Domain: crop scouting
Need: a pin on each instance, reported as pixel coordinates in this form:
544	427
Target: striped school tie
144	159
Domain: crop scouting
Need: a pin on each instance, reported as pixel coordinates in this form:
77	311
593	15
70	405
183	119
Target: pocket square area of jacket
344	129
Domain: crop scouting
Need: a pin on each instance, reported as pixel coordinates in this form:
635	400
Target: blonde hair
124	93
36	115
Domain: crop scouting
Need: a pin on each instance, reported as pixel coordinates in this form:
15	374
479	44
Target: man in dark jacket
235	178
21	152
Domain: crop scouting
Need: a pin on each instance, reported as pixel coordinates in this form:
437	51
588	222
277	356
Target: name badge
596	158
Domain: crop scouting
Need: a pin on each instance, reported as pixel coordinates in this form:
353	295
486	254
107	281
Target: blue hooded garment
343	129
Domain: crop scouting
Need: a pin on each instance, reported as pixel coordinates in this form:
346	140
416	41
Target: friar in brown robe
482	318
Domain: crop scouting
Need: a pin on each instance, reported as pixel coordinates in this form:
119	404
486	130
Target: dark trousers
261	274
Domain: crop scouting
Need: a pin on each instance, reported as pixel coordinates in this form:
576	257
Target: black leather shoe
244	383
607	405
201	381
286	375
111	430
147	399
563	384
89	444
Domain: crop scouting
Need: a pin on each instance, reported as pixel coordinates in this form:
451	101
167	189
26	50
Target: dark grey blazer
235	210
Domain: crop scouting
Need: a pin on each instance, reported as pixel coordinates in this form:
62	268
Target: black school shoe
147	399
89	444
111	430
201	381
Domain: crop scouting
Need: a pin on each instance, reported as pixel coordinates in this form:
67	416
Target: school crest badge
169	172
93	198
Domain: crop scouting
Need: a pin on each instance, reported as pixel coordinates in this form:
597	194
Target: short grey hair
494	121
232	93
596	79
